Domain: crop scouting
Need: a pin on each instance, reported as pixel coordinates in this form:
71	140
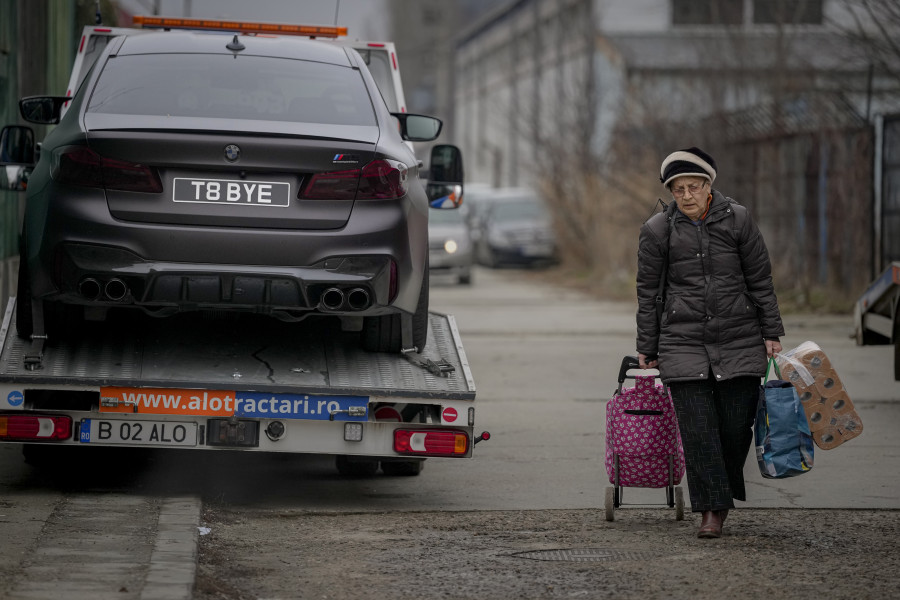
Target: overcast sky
366	19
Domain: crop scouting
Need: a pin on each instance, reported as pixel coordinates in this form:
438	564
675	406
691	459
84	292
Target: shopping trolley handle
628	363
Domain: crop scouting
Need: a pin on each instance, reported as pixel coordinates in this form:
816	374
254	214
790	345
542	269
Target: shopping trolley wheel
679	504
610	504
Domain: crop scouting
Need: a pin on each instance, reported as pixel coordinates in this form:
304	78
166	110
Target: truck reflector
431	442
35	427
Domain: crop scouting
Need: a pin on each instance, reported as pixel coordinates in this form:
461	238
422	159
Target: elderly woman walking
720	321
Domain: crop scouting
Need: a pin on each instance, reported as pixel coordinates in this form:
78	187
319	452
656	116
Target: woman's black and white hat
691	161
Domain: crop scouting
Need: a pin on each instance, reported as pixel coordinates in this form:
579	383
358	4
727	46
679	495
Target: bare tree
873	26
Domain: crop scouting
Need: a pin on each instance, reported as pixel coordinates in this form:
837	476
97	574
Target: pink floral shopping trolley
643	445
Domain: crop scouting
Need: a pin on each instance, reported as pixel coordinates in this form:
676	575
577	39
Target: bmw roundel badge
232	152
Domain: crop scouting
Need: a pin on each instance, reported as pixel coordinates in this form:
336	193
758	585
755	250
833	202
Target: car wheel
383	334
610	504
466	277
58	318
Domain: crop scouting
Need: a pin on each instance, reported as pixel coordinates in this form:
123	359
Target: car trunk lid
230	174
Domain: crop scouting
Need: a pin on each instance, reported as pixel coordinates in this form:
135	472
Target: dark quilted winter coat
720	303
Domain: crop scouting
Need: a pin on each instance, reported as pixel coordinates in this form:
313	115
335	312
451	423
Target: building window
707	12
787	12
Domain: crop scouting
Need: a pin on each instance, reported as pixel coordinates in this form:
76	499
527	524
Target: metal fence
888	223
812	196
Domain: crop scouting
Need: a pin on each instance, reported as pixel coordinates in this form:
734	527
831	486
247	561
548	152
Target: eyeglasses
691	189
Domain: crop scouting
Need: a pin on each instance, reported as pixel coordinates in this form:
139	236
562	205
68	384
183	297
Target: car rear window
242	87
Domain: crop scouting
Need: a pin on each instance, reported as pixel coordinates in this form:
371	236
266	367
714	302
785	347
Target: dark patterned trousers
716	423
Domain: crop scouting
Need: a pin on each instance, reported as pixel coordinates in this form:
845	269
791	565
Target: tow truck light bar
239	26
431	442
35	427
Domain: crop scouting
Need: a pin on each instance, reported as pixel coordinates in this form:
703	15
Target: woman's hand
645	364
772	347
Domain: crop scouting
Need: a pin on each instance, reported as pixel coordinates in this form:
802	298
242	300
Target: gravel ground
644	553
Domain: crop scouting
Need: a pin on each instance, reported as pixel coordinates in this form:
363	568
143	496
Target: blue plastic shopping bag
784	446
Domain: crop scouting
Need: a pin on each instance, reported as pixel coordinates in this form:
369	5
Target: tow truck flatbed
248	382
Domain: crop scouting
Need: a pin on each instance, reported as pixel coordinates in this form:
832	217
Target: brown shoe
724	515
711	525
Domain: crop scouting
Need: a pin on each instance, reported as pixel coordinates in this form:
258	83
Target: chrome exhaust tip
358	299
89	288
115	289
332	299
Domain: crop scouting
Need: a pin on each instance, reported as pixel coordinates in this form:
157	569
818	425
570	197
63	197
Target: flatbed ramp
251	352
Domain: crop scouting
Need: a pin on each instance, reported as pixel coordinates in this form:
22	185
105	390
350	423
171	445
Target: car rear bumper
265	270
102	275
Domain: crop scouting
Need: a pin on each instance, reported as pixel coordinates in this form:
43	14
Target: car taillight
77	166
334	185
35	427
383	180
129	177
83	167
379	180
431	442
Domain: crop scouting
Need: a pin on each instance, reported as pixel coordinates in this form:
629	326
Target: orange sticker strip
212	403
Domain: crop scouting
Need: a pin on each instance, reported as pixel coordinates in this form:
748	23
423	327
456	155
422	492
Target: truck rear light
431	442
379	180
35	427
353	432
81	166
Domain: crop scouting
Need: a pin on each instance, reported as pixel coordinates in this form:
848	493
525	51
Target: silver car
450	248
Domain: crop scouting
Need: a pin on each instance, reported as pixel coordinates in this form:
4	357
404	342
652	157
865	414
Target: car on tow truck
204	172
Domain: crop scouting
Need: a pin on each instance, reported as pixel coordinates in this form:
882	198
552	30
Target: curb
173	563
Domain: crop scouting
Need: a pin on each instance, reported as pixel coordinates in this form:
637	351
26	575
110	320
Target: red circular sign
450	414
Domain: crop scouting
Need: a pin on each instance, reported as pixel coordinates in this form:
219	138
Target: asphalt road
544	360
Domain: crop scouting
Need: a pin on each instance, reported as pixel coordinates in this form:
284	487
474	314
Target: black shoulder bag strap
660	291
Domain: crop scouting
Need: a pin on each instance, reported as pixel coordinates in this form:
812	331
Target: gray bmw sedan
195	171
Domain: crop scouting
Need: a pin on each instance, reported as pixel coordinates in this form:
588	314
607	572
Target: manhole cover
584	554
